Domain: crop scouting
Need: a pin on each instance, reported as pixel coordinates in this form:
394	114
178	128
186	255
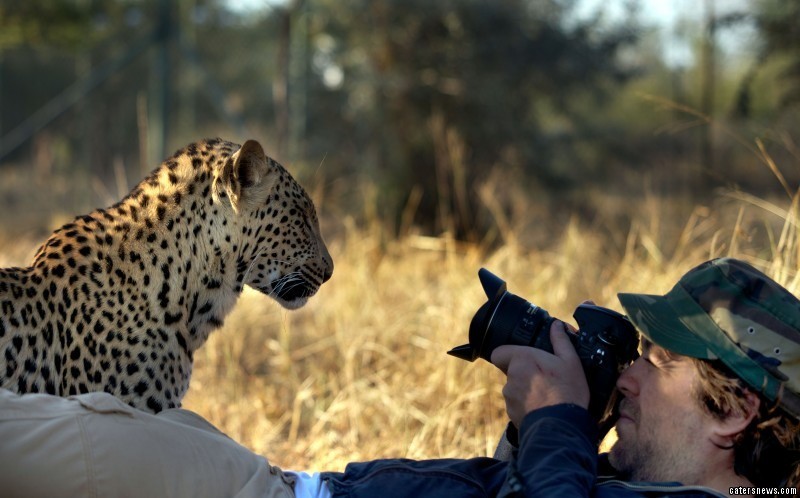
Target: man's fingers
562	346
501	357
537	378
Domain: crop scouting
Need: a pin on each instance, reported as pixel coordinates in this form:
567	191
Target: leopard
119	300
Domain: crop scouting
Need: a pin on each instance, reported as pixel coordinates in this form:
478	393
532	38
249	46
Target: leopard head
280	250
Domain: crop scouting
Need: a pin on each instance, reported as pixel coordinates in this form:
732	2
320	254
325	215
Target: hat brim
659	322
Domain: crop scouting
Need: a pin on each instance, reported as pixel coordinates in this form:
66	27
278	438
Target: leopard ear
250	164
245	174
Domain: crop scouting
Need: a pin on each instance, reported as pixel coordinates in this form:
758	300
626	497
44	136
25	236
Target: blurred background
419	104
576	147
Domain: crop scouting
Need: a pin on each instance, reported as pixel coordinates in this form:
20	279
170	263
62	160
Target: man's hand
537	378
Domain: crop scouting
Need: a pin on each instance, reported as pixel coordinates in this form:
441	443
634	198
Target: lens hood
495	288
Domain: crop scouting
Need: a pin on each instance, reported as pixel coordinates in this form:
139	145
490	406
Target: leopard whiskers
282	285
256	259
287	283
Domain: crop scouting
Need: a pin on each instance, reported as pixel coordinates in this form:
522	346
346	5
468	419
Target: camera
606	341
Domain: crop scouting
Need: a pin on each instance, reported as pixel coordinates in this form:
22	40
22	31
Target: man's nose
628	381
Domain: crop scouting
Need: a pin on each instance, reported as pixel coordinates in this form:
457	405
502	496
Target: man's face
661	422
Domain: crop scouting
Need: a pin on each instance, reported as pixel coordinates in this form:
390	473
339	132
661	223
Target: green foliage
436	104
42	22
779	25
507	77
779	44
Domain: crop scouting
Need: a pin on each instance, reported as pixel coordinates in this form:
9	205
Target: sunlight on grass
361	372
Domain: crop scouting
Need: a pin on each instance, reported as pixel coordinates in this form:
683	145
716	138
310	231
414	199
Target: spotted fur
120	299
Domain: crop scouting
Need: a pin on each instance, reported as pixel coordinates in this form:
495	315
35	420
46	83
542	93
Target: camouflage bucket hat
725	309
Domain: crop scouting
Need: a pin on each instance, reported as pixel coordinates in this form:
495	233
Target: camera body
606	341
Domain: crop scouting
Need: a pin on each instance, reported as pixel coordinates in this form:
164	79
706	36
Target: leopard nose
327	274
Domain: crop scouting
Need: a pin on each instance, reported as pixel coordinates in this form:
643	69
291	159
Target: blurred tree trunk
187	116
280	85
161	84
1	91
290	86
708	70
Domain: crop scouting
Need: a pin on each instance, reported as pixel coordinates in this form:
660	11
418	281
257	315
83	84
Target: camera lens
508	320
504	318
605	342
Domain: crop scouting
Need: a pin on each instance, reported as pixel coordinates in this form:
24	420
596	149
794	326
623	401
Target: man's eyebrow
646	345
655	352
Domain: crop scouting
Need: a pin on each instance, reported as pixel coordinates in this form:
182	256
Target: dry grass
361	371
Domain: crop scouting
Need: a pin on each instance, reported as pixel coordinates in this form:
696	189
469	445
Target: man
709	409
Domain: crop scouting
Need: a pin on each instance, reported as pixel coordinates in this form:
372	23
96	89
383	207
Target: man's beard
646	453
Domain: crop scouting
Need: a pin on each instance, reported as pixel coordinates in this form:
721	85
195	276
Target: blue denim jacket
557	457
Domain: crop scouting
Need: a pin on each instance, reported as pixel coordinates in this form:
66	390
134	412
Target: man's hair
767	452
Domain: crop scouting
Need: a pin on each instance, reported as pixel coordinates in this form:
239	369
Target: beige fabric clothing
94	445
